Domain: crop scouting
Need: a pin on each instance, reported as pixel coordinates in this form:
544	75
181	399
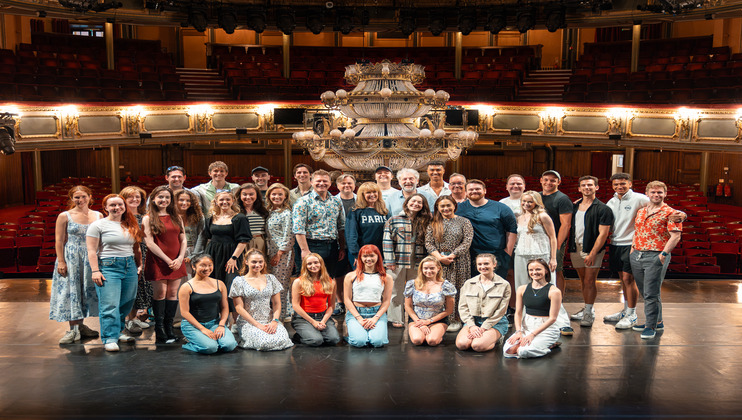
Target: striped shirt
257	223
400	242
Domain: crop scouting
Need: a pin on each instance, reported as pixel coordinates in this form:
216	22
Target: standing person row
114	256
404	248
166	244
206	192
280	242
73	296
408	180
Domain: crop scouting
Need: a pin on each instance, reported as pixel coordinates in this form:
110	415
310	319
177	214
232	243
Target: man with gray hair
408	179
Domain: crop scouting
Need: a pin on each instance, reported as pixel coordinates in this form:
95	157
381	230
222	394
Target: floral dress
258	305
456	239
428	305
278	227
73	297
144	286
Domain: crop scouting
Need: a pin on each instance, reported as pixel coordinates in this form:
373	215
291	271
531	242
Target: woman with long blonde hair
313	300
536	237
429	300
365	223
257	300
225	237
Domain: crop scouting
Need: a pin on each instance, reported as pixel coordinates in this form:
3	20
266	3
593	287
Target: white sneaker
126	338
454	326
141	324
627	322
111	347
577	316
133	328
614	317
70	337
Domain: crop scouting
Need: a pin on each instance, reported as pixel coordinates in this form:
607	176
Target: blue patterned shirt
318	219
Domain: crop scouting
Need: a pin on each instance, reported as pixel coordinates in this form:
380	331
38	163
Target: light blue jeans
361	337
200	343
116	296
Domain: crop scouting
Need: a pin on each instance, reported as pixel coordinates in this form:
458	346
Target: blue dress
74	297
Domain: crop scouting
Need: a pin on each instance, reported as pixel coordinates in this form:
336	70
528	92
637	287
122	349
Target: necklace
536	291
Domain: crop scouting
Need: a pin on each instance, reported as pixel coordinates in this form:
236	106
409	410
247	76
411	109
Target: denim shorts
501	326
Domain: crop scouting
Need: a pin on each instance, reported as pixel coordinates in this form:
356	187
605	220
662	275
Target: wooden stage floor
691	370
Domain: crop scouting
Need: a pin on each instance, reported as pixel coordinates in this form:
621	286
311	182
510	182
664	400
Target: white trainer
454	326
111	347
577	316
133	328
627	322
70	337
126	338
614	317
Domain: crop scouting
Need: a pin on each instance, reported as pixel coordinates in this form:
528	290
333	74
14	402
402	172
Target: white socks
589	308
630	311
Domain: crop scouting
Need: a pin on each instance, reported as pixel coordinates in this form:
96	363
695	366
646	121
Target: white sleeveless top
369	289
534	244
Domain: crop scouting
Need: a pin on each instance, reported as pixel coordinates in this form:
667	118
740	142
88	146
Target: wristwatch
663	253
233	258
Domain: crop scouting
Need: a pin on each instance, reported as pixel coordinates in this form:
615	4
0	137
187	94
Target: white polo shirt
624	212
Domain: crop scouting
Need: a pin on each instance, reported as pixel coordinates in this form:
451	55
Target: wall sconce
70	118
684	119
202	115
738	123
615	118
486	117
550	119
265	112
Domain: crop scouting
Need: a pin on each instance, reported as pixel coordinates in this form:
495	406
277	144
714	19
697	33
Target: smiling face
656	195
204	267
175	180
515	186
435	172
549	183
408	182
527	203
475	192
115	207
588	188
163	199
346	185
81	199
485	266
371	197
133	201
621	186
369	260
415	204
430	269
457	185
321	183
255	263
224	201
248	197
536	271
184	202
383	177
261	178
313	265
446	208
277	197
302	175
218	175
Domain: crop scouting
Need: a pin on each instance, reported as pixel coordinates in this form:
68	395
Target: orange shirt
653	231
316	303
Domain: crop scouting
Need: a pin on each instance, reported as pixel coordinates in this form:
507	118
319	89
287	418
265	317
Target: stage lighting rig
197	17
555	16
316	21
467	21
407	22
344	21
227	19
437	22
286	20
525	19
256	20
496	20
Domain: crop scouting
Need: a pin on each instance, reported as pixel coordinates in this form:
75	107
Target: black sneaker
640	327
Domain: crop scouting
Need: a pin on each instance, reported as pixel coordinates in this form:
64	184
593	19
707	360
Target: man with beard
495	228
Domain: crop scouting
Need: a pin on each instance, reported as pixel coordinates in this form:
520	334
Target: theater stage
691	370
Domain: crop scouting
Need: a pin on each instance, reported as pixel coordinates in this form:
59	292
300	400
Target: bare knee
433	341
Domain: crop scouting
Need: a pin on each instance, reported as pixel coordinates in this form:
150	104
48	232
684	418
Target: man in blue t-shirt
495	228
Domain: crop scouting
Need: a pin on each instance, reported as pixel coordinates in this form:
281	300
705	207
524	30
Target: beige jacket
473	302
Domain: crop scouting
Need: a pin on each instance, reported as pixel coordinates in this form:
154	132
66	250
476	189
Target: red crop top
316	303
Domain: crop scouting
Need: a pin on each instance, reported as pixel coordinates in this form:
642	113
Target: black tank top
205	306
537	302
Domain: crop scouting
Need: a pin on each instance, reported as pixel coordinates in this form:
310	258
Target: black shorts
619	258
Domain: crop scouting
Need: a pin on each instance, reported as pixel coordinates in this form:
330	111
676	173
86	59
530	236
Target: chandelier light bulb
425	133
429	93
385	92
336	133
341	94
439	133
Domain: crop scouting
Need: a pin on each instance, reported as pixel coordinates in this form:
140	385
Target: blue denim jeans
649	273
361	337
200	343
116	296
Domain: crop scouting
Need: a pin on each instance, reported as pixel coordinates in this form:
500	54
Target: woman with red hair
367	293
114	255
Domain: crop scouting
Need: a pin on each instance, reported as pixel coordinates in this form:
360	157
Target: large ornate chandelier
386	121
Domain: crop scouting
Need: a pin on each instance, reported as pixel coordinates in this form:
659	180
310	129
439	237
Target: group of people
233	263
